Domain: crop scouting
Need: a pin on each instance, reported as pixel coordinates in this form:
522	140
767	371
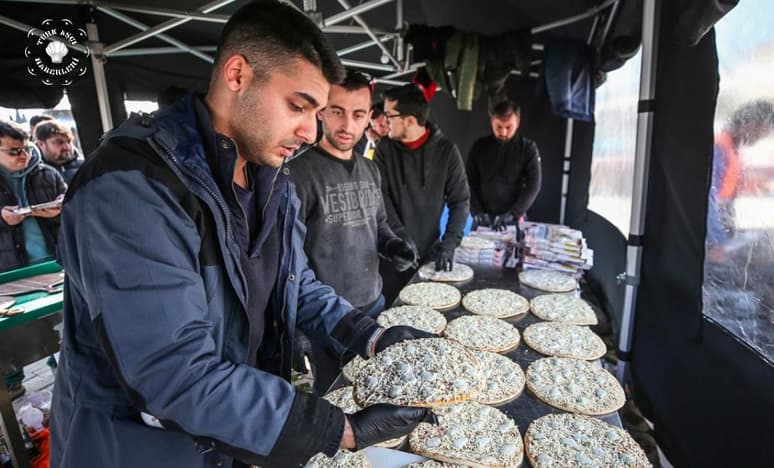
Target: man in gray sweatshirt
342	208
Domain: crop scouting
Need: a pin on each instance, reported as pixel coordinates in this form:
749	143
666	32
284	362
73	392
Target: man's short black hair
46	130
270	34
504	109
36	119
409	100
377	110
355	80
12	130
751	122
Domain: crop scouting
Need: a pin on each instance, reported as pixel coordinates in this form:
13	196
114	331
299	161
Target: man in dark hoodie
503	171
55	143
341	206
421	171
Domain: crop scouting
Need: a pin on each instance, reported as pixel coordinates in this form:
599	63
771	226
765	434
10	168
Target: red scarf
416	144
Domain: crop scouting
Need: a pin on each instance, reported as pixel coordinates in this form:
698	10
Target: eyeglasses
392	116
16	152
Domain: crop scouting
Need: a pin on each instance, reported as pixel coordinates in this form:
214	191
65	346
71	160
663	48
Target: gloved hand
403	254
444	260
482	219
400	333
382	422
500	221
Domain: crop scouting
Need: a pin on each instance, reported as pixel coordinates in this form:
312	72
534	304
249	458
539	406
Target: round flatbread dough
551	281
575	385
342	459
563	308
352	368
575	440
433	464
483	333
503	378
564	340
419	317
427	372
437	296
499	303
459	273
470	434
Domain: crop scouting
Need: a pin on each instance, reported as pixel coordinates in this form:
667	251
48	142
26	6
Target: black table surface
527	407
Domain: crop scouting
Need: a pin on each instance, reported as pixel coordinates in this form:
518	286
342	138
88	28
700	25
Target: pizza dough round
558	440
344	398
551	281
483	333
499	303
427	372
503	379
564	340
477	243
470	434
575	385
433	464
563	308
342	459
460	272
420	317
437	296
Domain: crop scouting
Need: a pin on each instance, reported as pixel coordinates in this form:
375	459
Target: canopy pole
100	83
635	244
566	169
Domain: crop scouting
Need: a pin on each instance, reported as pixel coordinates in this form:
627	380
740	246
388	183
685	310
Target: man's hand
382	422
400	333
11	218
500	221
444	261
46	212
403	254
482	219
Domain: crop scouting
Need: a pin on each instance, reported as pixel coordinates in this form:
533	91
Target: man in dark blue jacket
186	275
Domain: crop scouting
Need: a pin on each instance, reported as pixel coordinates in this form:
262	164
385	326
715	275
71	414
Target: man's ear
320	114
237	73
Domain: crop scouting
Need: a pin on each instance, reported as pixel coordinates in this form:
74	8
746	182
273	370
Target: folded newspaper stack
485	247
554	247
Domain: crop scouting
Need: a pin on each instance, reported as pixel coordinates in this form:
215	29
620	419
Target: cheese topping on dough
551	281
433	295
575	385
559	440
470	433
498	303
460	272
423	372
483	333
477	243
342	459
503	378
564	340
421	317
563	308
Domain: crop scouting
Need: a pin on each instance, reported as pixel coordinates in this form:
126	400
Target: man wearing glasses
421	171
26	236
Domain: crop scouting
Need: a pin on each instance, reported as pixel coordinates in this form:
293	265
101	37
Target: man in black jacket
55	143
503	171
341	206
421	171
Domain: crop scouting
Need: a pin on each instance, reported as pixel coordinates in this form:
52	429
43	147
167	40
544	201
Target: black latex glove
403	254
382	422
500	221
482	219
444	260
400	333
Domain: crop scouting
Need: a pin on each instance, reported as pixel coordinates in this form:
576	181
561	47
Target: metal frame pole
566	162
100	82
645	109
356	10
371	34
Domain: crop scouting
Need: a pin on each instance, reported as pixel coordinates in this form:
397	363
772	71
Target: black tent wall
709	396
